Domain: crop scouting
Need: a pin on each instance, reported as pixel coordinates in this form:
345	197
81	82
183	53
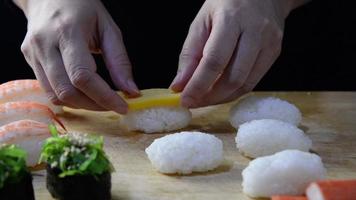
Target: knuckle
36	38
65	93
214	63
186	54
53	98
25	49
80	78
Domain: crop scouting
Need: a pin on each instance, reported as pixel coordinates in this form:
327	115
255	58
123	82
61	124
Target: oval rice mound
185	152
285	173
268	136
158	119
252	108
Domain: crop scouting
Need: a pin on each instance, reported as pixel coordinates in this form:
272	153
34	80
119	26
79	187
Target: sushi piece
25	90
268	136
251	108
77	167
14	111
156	110
185	152
332	189
28	135
287	172
157	119
15	179
289	198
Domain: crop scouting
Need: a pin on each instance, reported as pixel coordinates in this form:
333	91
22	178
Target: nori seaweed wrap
15	179
77	167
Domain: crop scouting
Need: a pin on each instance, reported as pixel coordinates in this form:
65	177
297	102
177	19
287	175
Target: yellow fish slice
152	98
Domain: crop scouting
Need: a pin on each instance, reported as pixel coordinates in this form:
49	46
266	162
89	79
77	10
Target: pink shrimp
25	90
14	111
27	134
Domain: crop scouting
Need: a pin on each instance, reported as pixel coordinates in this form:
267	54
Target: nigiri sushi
186	152
268	136
77	167
156	110
15	179
28	135
25	90
288	172
252	108
15	111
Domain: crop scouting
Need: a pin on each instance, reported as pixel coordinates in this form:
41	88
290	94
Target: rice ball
268	136
288	172
251	108
186	152
157	119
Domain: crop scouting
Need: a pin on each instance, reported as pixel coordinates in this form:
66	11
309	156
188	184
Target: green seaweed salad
12	164
75	154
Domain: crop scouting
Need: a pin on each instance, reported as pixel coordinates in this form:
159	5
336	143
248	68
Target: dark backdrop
318	50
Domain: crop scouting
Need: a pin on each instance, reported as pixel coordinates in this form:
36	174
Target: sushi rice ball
186	152
287	172
251	108
157	119
268	136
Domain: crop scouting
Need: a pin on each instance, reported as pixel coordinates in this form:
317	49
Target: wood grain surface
329	119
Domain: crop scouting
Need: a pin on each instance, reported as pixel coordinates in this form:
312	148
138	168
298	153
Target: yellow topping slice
152	98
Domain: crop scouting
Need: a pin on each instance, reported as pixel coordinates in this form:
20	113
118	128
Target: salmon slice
332	190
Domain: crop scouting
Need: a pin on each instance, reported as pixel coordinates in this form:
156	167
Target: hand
61	36
231	44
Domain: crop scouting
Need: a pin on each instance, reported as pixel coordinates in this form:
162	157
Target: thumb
117	61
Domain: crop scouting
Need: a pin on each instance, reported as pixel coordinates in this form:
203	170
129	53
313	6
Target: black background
319	48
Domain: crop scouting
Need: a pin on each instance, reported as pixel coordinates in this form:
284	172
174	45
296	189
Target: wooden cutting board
329	119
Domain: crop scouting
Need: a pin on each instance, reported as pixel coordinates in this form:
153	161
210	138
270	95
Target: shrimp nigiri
25	90
28	135
14	111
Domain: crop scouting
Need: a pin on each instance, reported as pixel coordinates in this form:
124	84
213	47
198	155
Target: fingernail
175	80
132	86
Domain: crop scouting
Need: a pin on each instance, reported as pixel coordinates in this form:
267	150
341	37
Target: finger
216	55
61	84
117	61
30	58
80	67
236	73
263	63
192	51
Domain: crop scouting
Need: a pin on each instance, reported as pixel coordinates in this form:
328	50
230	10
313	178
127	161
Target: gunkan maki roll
77	167
15	179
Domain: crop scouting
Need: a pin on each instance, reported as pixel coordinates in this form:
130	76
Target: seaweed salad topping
75	154
12	164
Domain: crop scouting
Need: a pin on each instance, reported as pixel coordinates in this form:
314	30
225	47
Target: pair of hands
231	44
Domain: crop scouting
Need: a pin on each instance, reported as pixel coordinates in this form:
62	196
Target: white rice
268	136
251	108
186	152
285	173
158	119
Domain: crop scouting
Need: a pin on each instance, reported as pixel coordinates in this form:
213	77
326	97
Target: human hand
231	44
60	38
